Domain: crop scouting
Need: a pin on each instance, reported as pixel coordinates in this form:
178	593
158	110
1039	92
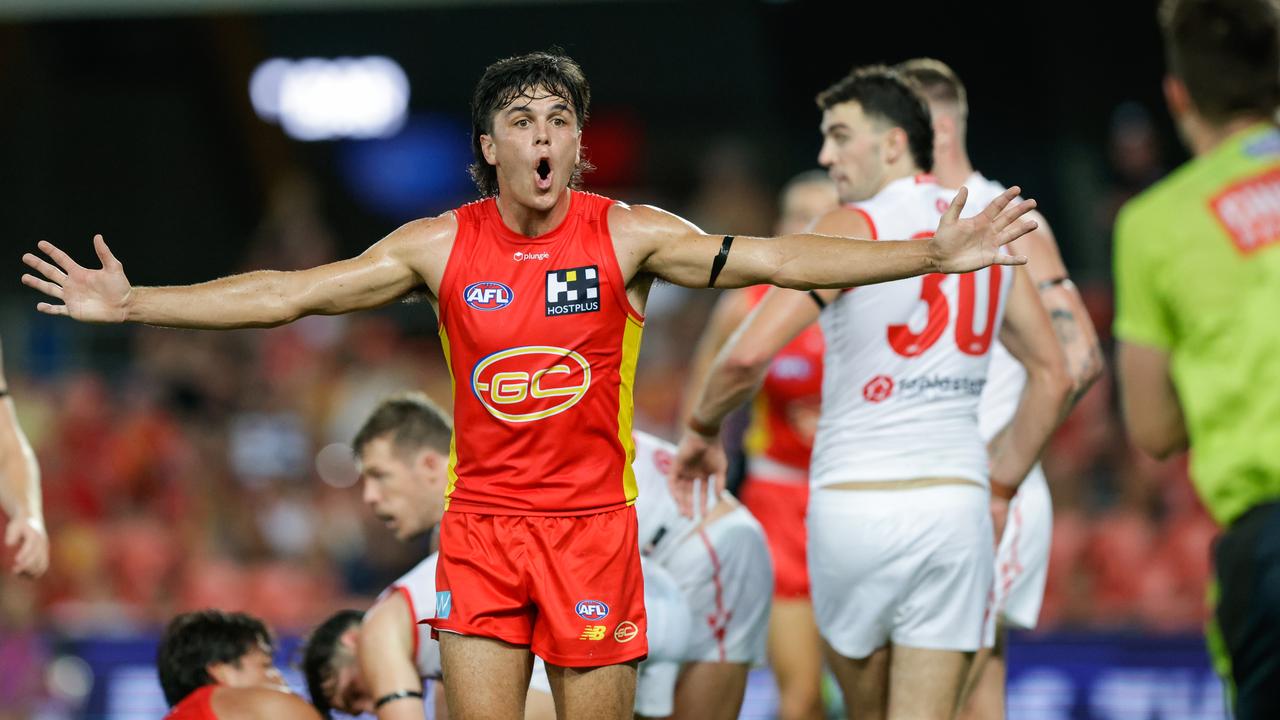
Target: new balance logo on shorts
593	632
573	290
444	603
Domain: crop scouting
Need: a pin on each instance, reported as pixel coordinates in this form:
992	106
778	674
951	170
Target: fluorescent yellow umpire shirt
1197	274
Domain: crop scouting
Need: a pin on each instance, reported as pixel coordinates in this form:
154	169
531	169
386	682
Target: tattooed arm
1067	313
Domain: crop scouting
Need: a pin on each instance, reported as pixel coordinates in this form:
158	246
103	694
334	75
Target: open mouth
544	174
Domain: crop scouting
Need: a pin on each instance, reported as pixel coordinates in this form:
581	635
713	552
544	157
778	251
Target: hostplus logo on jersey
591	610
573	290
486	295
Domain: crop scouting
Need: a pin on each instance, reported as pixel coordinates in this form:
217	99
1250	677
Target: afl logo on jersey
591	610
488	295
531	382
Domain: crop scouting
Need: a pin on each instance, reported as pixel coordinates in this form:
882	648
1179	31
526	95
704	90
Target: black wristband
822	304
721	258
397	695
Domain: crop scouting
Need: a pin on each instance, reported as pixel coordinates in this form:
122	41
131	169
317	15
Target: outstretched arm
406	258
663	245
20	492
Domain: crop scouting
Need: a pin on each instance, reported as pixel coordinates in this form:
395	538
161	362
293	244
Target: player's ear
488	150
222	673
895	144
350	638
430	459
1177	97
944	130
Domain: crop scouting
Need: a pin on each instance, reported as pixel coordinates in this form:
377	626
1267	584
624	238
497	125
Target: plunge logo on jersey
531	382
487	295
573	290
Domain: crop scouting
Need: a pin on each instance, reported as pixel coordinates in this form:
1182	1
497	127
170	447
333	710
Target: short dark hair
1227	53
936	81
318	655
884	94
414	421
195	640
521	76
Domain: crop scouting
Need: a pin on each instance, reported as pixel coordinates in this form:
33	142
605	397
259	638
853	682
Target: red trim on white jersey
413	617
871	224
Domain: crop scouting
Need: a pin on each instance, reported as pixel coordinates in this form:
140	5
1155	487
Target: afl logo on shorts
488	295
591	610
531	382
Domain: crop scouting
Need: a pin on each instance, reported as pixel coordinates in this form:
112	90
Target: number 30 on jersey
968	341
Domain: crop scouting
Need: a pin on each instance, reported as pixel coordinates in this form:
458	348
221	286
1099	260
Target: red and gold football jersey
195	706
541	340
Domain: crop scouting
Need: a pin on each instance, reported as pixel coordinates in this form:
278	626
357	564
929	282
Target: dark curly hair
195	640
887	95
551	72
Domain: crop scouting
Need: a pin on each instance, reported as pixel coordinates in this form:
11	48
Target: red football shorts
570	588
780	508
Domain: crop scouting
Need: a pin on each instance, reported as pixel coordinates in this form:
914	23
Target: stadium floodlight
331	98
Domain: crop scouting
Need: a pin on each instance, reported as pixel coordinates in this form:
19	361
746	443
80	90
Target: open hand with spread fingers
972	243
88	295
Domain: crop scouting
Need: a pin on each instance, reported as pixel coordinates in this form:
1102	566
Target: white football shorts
911	566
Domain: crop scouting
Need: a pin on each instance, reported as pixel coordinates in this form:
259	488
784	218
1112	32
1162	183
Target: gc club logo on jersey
573	290
444	604
626	631
530	382
591	610
487	295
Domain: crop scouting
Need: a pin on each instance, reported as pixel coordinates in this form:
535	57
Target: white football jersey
661	526
906	361
1006	376
419	586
